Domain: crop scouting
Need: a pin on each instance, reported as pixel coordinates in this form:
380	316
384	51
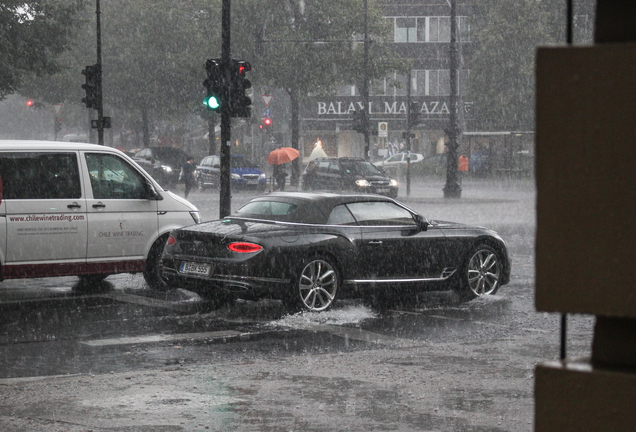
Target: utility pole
365	84
225	205
452	189
409	107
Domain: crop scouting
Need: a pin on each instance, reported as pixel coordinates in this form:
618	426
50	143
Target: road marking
146	301
160	338
349	333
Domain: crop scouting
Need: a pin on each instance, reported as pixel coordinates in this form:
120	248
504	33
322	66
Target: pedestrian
280	175
188	175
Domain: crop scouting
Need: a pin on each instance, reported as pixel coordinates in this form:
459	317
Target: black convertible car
309	249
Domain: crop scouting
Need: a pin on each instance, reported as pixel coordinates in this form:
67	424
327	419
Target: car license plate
195	268
382	190
252	182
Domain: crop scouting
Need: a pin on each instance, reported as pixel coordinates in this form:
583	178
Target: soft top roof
318	205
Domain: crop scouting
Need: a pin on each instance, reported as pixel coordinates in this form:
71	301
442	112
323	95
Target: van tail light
242	247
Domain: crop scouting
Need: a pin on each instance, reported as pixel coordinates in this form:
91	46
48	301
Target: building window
436	82
405	30
428	29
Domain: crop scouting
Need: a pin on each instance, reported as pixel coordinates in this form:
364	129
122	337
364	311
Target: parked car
162	163
347	174
74	209
399	159
311	248
433	164
243	172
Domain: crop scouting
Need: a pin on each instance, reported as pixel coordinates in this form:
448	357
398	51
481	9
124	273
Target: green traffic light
211	102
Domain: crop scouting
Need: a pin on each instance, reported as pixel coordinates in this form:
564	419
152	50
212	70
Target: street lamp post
452	189
365	84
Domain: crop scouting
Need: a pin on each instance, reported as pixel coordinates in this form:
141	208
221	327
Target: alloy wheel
484	272
318	285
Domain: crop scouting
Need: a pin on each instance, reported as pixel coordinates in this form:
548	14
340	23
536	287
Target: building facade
421	35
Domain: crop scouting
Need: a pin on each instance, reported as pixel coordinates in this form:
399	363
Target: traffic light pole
226	115
100	104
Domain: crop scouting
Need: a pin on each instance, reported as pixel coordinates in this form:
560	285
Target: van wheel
152	273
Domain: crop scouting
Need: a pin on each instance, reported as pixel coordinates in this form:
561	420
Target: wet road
456	366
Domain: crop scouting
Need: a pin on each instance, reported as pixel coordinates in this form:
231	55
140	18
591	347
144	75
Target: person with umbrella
280	175
277	158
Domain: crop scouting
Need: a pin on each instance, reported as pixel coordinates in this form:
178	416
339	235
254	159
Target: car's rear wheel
481	273
316	285
152	273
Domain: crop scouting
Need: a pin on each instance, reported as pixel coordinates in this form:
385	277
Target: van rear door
45	213
122	219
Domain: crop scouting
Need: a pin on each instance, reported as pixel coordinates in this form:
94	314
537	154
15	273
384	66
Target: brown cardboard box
578	398
586	180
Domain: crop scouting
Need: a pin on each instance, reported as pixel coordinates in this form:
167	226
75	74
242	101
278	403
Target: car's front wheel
481	273
316	286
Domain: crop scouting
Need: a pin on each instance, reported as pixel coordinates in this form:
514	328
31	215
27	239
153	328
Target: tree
32	36
502	68
312	47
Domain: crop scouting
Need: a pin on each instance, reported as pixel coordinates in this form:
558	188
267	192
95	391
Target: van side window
114	178
28	175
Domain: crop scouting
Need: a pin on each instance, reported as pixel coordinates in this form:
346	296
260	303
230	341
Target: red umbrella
282	155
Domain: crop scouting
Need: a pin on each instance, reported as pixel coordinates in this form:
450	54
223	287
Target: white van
82	209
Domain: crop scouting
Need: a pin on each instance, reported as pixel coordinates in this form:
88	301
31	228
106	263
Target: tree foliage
154	52
32	36
502	70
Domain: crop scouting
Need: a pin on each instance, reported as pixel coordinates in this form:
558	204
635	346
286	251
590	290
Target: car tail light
242	247
171	241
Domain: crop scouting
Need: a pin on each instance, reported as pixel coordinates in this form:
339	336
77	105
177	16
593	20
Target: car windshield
241	162
362	168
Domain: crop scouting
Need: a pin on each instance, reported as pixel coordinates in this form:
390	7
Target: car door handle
99	205
74	205
376	242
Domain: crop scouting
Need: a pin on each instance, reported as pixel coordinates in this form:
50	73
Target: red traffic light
30	103
266	123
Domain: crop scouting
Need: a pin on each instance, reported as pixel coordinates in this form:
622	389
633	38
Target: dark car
162	163
311	248
348	174
243	172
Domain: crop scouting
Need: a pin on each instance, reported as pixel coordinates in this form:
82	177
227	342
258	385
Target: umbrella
282	155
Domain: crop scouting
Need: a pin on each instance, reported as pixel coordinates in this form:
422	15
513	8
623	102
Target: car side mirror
422	222
216	166
153	195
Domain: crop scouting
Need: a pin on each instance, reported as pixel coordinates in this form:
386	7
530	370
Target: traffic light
30	103
414	114
213	85
266	123
240	103
92	87
360	121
